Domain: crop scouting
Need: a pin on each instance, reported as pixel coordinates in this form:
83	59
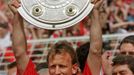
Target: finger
12	8
105	55
99	2
94	1
15	3
18	1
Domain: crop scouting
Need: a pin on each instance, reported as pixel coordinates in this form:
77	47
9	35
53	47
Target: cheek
67	70
51	71
62	70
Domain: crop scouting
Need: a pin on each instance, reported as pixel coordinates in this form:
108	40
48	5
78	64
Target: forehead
120	68
127	47
62	58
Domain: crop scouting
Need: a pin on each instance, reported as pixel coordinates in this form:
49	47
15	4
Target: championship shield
54	14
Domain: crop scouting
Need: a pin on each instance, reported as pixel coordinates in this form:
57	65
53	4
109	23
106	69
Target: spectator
5	39
123	65
130	17
4	31
126	47
4	35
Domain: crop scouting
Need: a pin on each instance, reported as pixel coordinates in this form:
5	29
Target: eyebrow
122	71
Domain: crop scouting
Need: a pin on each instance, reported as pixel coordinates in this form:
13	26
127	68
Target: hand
106	62
97	3
131	23
13	5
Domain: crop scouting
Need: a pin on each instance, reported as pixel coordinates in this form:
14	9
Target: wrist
95	14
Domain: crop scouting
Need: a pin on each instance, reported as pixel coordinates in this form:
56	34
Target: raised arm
120	24
19	39
94	56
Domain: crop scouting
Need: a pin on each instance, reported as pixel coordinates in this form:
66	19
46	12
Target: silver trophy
54	14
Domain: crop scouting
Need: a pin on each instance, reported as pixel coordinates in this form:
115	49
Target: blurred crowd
116	17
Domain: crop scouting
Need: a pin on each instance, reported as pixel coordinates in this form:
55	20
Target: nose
118	73
127	53
57	70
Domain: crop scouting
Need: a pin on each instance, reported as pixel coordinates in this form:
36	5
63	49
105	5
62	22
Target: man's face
127	49
61	64
121	70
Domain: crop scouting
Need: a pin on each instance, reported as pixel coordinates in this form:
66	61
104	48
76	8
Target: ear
75	68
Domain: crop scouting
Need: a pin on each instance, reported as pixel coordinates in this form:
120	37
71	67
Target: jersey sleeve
30	69
86	70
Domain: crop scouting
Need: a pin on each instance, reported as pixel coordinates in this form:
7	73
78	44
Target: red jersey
30	69
86	70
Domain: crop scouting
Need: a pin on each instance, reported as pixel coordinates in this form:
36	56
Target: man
5	39
127	45
123	65
61	58
93	62
4	32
